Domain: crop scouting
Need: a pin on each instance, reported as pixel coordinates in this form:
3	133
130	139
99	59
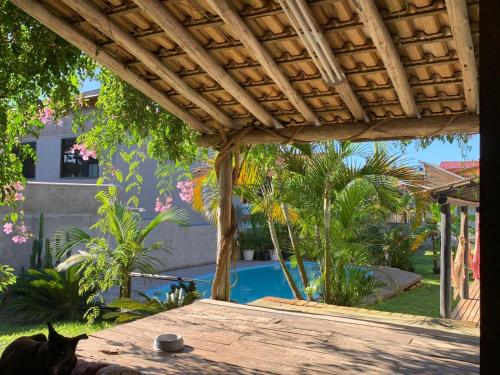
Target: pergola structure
464	194
261	71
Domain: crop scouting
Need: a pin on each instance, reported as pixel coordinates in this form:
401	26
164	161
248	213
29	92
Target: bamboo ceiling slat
420	31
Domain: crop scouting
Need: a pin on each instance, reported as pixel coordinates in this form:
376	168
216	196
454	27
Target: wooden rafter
389	129
323	57
163	18
459	22
242	31
70	33
114	31
333	26
371	18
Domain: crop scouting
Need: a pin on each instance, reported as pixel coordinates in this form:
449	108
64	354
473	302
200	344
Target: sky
434	154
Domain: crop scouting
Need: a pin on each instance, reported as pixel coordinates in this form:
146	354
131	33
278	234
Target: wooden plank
89	47
389	129
177	32
237	345
109	27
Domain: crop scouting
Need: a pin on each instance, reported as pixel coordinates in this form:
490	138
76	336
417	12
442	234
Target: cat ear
52	331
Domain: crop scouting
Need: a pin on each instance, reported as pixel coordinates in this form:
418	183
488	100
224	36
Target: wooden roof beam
89	47
379	34
460	28
155	10
382	130
96	17
242	32
303	21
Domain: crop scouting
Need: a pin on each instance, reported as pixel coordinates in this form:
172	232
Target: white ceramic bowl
170	342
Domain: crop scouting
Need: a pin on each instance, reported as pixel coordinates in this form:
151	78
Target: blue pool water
253	282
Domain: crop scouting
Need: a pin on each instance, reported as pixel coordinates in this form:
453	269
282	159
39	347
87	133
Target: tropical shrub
128	309
7	278
40	296
398	248
109	259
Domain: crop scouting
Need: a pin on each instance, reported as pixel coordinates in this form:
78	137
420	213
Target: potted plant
247	245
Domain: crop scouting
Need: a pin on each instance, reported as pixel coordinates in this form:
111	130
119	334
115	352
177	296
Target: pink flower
270	173
18	186
186	190
84	152
19	239
18	197
46	115
162	207
7	228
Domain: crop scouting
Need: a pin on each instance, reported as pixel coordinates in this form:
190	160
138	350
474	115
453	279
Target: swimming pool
254	282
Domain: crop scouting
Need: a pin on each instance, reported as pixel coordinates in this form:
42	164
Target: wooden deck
240	339
396	281
468	310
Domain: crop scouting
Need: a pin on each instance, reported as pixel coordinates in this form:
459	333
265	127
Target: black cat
36	355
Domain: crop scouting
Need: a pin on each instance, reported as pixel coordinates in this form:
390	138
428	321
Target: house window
28	162
72	164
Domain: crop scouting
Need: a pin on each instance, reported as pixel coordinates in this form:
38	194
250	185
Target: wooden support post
225	230
464	221
445	279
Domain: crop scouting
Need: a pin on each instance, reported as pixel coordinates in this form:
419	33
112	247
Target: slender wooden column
225	230
464	223
445	279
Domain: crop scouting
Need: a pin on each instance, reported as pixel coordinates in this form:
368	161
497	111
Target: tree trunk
276	244
327	256
126	287
296	251
225	227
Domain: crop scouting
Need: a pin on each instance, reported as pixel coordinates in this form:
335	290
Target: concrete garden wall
74	204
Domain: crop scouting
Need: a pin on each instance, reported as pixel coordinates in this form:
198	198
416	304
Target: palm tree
263	199
250	184
109	259
333	169
430	229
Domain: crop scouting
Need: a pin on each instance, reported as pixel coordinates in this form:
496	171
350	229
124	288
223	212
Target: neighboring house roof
436	176
459	165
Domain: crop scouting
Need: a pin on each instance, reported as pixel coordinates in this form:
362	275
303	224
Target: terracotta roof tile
459	165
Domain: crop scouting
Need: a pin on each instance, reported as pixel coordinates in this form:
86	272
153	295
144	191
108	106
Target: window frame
62	163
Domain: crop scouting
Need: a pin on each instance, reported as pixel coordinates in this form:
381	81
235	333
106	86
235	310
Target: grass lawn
422	300
10	331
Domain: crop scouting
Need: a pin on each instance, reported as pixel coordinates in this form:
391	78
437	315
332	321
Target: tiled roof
459	165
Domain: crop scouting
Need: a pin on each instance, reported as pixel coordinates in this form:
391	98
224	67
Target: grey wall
73	204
